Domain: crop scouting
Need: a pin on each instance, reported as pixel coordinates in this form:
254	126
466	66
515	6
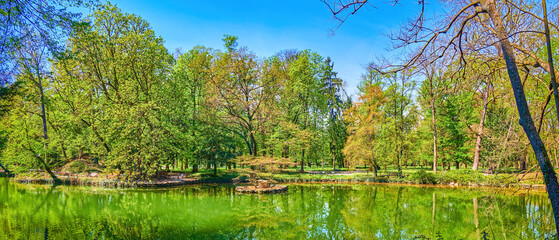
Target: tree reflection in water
306	211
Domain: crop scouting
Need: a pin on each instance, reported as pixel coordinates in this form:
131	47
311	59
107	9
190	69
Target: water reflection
311	212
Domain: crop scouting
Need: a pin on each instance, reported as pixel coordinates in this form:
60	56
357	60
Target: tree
364	121
335	107
429	92
44	22
302	97
118	66
455	116
32	61
187	101
400	117
243	88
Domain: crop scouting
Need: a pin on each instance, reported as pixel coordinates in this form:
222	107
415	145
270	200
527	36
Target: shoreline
169	183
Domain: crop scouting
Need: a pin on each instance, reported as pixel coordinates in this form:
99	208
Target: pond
304	212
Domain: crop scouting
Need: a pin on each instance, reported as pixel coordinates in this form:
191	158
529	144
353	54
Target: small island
264	186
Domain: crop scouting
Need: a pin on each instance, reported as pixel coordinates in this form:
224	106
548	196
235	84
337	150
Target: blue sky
269	26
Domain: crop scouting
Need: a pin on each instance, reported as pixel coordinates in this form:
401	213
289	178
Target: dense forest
106	89
116	95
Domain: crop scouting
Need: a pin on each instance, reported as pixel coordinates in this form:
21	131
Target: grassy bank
459	178
463	177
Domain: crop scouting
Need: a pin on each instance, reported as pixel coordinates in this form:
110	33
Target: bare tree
502	22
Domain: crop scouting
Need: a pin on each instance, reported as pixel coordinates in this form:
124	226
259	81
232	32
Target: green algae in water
304	212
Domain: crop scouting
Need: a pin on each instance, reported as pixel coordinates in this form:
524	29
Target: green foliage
117	95
423	177
455	113
113	92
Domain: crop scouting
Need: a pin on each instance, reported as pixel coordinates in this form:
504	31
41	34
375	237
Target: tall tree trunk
526	121
550	58
285	152
551	66
215	168
254	146
399	157
334	162
479	133
303	160
523	159
45	136
434	122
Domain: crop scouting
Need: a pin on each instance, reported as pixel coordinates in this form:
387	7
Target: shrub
423	177
462	176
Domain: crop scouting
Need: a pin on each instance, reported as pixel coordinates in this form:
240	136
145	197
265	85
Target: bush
462	176
423	177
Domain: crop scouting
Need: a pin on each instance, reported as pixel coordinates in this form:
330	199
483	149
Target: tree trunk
334	162
45	136
480	128
399	156
5	169
550	58
434	122
47	168
254	146
526	121
522	163
556	160
303	161
215	169
285	152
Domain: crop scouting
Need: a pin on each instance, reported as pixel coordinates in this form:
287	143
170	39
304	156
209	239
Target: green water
304	212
